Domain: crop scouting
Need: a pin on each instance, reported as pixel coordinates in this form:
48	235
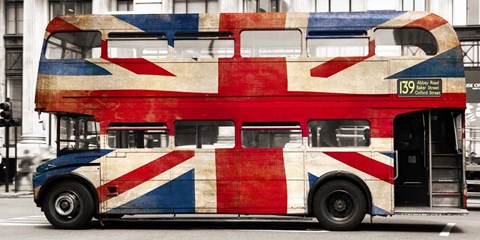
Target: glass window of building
473	12
339	5
124	5
195	6
414	5
64	7
456	13
14	17
384	5
262	6
471	53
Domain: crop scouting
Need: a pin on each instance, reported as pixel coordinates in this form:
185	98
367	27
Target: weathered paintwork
294	89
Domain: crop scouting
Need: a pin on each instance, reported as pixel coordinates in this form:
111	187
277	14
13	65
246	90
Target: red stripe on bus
429	22
144	173
253	21
365	164
140	66
251	181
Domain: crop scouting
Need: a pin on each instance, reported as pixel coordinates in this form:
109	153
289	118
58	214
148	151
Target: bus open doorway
429	165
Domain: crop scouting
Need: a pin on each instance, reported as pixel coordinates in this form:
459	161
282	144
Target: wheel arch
67	177
339	175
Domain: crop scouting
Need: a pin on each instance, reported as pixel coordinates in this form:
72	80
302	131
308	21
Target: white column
2	64
168	6
473	13
2	53
299	6
230	6
34	24
103	6
148	6
443	8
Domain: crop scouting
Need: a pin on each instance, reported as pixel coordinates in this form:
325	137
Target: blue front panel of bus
66	164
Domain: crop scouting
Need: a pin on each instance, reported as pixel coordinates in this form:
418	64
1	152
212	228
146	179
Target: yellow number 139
407	87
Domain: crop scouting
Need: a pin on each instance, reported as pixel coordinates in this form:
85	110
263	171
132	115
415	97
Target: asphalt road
20	219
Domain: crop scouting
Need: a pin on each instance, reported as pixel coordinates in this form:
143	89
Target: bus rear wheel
69	205
339	205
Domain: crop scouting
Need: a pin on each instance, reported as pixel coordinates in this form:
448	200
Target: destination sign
419	87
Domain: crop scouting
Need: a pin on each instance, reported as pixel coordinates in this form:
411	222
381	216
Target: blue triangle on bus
447	64
177	196
312	179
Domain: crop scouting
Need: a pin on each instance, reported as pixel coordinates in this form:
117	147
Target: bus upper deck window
337	47
204	45
404	42
73	45
271	43
137	45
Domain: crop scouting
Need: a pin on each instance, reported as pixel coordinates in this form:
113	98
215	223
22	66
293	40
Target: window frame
86	7
430	35
333	38
204	36
72	130
137	36
338	122
18	22
48	42
201	123
126	129
273	8
207	2
266	127
252	55
127	3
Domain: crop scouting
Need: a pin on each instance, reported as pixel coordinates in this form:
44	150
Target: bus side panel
143	181
374	168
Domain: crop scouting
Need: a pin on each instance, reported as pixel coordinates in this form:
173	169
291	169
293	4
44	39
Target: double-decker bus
331	115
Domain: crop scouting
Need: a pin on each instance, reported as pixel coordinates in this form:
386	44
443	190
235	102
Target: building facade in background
24	22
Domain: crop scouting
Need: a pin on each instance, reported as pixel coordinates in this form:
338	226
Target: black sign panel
472	77
419	87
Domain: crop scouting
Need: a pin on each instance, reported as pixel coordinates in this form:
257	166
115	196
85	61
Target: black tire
339	205
69	205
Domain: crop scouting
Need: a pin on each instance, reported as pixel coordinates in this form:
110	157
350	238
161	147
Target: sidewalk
24	190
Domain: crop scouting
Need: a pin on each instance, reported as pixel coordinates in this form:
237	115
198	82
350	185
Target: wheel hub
340	205
66	203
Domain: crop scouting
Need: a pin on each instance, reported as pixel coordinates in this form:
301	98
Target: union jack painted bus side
300	88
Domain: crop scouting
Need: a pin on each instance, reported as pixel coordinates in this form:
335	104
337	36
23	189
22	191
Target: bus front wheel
69	205
339	205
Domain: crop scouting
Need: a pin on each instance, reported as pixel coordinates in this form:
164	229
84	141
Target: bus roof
336	21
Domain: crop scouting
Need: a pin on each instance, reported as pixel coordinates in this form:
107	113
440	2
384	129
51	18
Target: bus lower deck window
339	133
